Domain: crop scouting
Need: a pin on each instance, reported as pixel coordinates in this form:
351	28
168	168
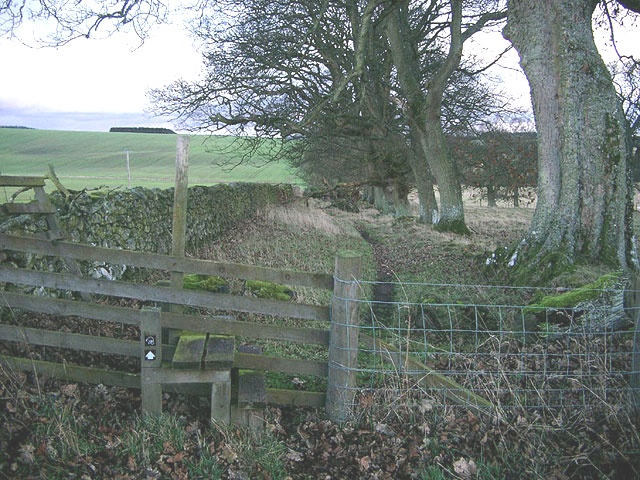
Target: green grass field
95	159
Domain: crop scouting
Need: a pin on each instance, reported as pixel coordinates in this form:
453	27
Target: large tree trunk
582	214
428	205
424	113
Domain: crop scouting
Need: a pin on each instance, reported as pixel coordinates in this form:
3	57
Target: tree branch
633	5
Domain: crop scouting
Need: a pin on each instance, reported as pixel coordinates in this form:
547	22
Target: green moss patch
272	291
572	298
453	226
205	282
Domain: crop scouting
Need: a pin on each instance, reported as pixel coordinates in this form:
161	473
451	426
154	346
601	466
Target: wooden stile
41	206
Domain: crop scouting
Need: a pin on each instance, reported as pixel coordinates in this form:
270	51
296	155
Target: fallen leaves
365	463
465	468
395	447
227	454
385	429
27	453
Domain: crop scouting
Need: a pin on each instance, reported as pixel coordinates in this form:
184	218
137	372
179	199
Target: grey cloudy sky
92	85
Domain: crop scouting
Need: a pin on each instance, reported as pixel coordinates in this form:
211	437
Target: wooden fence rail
165	262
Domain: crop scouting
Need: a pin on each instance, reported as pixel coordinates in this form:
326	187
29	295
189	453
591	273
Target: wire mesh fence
495	348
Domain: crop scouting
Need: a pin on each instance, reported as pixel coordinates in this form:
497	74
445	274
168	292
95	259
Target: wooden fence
341	319
340	337
218	365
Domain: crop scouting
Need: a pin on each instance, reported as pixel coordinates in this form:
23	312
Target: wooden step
219	353
196	351
251	397
190	351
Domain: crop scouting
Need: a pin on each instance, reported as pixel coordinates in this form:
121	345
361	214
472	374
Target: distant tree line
17	127
141	130
498	162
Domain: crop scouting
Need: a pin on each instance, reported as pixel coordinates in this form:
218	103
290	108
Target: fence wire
512	354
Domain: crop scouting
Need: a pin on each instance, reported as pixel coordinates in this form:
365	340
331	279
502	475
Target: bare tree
283	72
323	73
626	80
63	21
406	26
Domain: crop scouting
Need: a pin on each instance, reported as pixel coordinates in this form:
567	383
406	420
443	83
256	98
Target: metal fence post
343	346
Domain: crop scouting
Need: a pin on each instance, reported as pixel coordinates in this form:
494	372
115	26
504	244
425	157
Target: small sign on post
150	355
151	361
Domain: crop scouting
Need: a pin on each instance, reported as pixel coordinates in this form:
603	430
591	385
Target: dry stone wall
141	219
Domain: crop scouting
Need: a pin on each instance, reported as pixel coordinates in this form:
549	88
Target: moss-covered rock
572	298
597	306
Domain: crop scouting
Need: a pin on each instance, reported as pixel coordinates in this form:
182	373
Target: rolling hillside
93	159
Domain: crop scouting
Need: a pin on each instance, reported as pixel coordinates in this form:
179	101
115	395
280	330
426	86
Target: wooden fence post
180	195
151	360
179	227
343	346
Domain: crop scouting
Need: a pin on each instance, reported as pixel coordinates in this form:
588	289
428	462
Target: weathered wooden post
180	197
343	346
179	228
151	358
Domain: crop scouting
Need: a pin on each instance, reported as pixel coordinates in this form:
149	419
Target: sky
92	85
96	84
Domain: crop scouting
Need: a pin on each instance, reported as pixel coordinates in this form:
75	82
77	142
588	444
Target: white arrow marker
150	355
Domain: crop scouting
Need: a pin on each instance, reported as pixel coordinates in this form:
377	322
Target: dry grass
309	215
